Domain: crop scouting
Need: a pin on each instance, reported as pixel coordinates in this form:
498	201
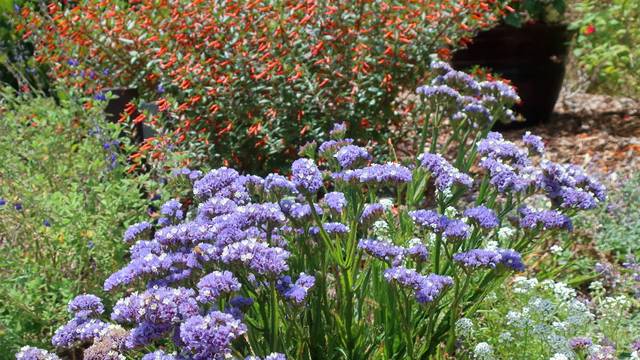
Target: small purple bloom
306	176
335	201
215	284
482	216
352	156
84	306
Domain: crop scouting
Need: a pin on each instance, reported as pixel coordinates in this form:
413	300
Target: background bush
605	50
66	202
248	82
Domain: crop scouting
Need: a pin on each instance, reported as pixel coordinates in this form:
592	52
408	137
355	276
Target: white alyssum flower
559	356
522	285
451	212
505	337
464	327
483	351
381	230
556	249
387	203
505	233
492	245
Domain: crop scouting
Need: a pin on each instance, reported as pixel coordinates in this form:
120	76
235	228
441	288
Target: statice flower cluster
246	261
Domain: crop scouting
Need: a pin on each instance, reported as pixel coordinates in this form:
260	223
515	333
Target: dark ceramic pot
533	57
116	106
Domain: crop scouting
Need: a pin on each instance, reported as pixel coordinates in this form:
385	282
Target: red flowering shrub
249	81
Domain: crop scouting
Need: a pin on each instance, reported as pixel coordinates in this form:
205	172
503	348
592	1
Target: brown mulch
598	132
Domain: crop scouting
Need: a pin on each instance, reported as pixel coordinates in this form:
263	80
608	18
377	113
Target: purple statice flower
456	230
254	183
134	231
482	216
210	336
507	178
73	62
511	259
404	277
478	113
338	130
635	346
477	258
3	202
442	95
157	305
417	251
494	146
382	250
429	220
216	206
580	343
100	96
331	228
534	143
172	209
46	223
214	182
351	156
545	219
17	206
144	247
278	184
335	201
371	213
570	187
302	212
306	176
328	148
259	257
459	80
32	353
297	292
272	356
445	174
261	214
215	284
159	355
145	333
77	332
431	287
500	90
84	306
604	352
440	67
389	173
426	288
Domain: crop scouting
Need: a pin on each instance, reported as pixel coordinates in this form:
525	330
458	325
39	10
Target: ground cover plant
346	257
64	201
246	83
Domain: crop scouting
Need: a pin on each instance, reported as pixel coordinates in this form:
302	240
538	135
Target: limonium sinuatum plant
344	257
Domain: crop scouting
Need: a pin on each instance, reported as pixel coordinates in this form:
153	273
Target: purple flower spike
159	355
456	230
429	220
477	258
84	306
445	174
135	231
297	292
215	284
382	250
580	343
534	143
546	219
371	213
32	353
210	336
306	176
511	259
335	201
352	156
482	216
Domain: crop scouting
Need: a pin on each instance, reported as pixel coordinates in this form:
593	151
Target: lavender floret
482	216
306	176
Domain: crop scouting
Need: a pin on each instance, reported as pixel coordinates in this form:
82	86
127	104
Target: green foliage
606	45
549	11
55	166
620	221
